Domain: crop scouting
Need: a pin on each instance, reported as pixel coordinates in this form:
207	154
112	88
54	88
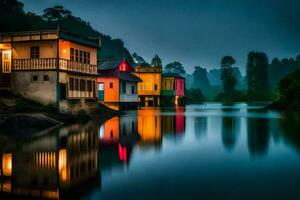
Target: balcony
51	64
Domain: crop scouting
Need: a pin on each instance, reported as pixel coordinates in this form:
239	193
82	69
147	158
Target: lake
209	151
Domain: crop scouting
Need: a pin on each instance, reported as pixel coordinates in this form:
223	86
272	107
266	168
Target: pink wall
179	87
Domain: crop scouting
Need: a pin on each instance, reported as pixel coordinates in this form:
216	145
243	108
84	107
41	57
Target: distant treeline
14	18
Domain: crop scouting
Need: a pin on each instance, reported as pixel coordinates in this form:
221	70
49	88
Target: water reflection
131	153
52	165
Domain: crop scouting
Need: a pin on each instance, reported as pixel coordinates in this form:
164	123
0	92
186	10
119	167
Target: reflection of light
7	164
62	164
176	100
122	153
101	131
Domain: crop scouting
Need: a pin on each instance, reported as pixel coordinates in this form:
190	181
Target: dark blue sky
194	32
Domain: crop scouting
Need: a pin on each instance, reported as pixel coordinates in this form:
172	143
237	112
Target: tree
258	76
200	79
56	14
156	61
138	59
175	67
227	76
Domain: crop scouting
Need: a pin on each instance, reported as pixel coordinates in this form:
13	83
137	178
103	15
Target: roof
126	76
109	64
170	74
53	34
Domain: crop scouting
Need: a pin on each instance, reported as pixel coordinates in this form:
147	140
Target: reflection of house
149	127
119	129
117	86
50	67
47	167
174	124
172	89
149	88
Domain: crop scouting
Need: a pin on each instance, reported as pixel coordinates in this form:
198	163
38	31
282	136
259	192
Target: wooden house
150	87
172	89
117	86
51	67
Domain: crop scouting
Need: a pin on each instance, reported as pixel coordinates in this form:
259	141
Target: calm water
208	151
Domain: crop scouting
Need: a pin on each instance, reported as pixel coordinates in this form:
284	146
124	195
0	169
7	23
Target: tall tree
200	79
156	61
227	76
175	67
257	74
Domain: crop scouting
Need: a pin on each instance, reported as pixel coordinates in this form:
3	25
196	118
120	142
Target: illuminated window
7	164
62	164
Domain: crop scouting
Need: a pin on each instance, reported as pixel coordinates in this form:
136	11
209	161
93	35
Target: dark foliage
194	96
200	79
13	18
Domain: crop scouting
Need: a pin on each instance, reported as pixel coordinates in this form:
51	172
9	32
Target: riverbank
18	115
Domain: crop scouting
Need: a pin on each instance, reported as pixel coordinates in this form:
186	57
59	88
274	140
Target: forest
275	81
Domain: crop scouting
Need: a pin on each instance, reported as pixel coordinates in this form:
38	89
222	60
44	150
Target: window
76	84
72	54
71	83
123	87
82	85
46	78
76	55
34	78
35	52
88	57
155	86
89	86
84	57
80	56
111	85
132	89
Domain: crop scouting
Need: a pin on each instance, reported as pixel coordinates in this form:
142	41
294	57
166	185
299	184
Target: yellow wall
147	86
22	50
167	83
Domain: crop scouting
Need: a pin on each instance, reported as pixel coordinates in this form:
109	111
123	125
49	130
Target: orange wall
111	128
110	94
65	46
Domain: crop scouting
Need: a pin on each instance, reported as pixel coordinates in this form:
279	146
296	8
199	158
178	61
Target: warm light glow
64	51
62	164
7	164
149	125
176	100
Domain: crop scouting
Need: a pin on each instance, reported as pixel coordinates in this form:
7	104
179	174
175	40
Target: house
117	86
172	89
149	88
51	67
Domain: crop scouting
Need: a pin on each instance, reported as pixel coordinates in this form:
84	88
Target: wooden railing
50	64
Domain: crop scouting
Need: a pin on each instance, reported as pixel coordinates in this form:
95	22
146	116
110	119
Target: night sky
194	32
